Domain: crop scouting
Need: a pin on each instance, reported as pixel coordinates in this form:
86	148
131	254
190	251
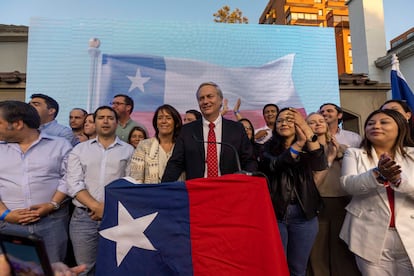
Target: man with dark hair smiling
333	116
263	134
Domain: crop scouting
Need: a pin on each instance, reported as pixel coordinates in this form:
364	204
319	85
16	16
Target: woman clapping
379	223
289	160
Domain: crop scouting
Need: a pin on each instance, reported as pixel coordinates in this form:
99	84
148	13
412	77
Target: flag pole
95	54
395	63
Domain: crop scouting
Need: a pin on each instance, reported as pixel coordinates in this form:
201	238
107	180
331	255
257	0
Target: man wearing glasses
123	106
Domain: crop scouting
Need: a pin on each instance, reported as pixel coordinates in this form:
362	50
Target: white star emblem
137	81
129	232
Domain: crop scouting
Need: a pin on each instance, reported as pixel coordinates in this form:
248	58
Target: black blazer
189	154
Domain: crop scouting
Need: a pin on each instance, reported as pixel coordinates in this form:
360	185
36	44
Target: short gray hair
215	85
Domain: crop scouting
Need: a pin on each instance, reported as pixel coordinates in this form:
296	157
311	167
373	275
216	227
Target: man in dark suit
190	151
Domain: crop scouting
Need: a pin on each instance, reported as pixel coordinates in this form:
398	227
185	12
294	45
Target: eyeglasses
116	103
287	121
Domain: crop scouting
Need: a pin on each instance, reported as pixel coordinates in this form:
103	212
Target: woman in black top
248	126
289	160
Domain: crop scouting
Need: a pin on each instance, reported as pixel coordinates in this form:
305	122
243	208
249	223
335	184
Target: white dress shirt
92	167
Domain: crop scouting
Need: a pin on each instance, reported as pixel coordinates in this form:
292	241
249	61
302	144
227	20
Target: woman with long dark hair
289	160
151	155
379	223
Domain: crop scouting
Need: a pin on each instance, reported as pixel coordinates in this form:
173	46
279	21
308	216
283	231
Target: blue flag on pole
399	86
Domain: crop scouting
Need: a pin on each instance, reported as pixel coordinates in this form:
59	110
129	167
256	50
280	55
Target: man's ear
51	111
340	115
18	125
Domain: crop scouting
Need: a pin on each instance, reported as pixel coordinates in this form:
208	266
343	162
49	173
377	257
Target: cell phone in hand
26	254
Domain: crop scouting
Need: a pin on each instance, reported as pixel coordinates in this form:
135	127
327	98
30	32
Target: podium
207	226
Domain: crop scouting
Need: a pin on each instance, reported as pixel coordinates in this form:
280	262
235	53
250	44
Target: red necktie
212	166
391	200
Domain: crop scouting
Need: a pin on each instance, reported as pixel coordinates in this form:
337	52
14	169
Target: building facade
405	53
13	56
316	13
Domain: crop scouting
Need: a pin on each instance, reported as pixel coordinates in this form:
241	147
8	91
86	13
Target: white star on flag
129	232
137	81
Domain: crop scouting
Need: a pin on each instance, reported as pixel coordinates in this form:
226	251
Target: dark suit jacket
189	154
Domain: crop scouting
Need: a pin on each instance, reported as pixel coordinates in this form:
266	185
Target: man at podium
212	146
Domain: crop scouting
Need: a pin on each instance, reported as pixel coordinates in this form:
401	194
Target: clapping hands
389	169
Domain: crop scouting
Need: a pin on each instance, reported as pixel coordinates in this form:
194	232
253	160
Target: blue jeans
53	229
298	235
84	235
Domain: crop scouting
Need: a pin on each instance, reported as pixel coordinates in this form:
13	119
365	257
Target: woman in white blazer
379	224
151	155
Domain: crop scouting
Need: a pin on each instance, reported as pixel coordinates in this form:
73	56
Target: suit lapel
198	131
223	137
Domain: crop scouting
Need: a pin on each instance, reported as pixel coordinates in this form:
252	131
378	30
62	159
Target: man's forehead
105	112
77	113
328	107
208	88
37	100
119	98
270	108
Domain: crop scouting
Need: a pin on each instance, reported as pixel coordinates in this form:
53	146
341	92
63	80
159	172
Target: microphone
233	148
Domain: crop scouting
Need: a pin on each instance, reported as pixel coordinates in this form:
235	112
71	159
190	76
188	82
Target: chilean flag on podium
208	226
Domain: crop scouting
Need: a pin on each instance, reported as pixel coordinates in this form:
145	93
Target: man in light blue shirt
91	166
32	183
48	109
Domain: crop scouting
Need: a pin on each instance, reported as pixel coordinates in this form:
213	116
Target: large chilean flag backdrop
154	80
218	226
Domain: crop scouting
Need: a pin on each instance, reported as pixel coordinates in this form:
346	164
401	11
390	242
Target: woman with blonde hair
329	255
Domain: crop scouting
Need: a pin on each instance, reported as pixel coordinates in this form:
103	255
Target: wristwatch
313	138
55	205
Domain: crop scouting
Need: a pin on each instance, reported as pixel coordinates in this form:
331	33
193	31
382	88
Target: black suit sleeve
246	152
188	154
176	163
234	134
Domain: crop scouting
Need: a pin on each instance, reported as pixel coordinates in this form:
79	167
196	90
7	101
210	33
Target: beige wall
17	94
361	102
13	56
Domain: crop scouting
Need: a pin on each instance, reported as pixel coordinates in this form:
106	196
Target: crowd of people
343	202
